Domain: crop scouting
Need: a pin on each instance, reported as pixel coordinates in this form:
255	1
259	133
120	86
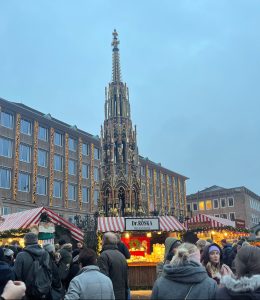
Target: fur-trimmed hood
243	284
244	288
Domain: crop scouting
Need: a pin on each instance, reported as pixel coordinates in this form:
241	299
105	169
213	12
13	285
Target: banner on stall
142	224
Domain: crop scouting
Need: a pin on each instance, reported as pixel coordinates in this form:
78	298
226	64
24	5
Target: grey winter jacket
244	288
188	280
90	284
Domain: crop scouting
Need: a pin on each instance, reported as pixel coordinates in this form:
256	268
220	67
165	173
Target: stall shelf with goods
216	229
40	220
145	239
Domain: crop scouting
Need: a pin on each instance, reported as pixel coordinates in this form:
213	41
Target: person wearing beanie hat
9	256
24	260
212	260
171	245
247	283
6	272
56	285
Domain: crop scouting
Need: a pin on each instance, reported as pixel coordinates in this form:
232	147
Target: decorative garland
80	173
168	194
229	228
12	233
92	178
51	165
174	193
66	171
35	161
161	190
148	189
154	189
16	161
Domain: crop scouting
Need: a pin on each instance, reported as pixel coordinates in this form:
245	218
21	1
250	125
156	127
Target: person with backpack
65	252
32	266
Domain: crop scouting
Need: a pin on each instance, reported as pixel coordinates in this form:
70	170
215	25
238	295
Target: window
217	216
143	170
223	202
6	119
6	147
41	185
232	216
96	153
157	191
150	173
42	158
85	171
230	201
24	182
202	205
208	205
71	219
72	192
72	145
188	207
5	178
57	162
96	197
224	216
57	189
143	189
85	194
151	190
195	206
72	167
215	204
85	149
25	153
163	178
158	176
43	133
26	127
58	139
6	210
96	174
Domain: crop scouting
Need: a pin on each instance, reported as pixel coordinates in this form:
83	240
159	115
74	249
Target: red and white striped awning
25	219
117	224
201	220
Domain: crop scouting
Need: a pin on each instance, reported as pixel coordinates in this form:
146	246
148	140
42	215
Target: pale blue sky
192	68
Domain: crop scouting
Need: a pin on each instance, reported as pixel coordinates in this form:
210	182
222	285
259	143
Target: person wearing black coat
122	247
247	284
113	264
6	272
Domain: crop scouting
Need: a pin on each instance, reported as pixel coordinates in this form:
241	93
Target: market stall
144	238
216	229
41	220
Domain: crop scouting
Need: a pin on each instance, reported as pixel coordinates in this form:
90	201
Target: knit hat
8	252
49	248
30	238
62	242
247	261
214	248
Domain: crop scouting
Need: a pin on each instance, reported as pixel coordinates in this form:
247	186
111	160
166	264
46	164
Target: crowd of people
204	270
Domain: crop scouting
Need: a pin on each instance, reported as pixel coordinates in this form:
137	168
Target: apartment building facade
232	203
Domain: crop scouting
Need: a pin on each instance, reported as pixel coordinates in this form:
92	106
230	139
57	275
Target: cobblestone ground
142	294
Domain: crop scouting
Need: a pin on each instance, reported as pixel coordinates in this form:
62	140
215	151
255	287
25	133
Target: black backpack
39	278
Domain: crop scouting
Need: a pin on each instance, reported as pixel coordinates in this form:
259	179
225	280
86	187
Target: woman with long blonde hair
184	277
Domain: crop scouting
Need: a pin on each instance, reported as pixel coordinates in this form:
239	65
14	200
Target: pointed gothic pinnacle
116	59
115	41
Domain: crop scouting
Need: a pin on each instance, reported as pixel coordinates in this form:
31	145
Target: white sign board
142	224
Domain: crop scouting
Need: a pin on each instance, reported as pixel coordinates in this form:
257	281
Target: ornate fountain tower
120	176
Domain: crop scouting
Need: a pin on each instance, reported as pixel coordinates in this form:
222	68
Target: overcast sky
192	68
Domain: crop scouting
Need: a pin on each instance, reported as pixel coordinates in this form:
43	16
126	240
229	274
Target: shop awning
25	219
207	221
117	224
